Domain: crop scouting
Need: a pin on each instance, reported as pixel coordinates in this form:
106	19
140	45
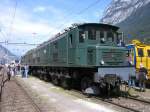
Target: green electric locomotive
86	56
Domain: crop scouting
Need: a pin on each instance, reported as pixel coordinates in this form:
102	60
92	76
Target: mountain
6	55
132	16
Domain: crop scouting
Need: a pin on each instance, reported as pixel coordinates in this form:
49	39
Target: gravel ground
143	95
14	99
130	103
60	100
136	92
50	98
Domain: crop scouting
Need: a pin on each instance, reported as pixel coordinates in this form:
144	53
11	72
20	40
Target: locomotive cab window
140	52
102	37
115	37
81	36
120	39
97	35
70	40
110	37
92	34
55	45
148	53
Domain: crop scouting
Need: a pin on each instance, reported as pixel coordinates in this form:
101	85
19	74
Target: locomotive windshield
140	52
81	36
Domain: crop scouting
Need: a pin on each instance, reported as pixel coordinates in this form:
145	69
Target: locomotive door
71	47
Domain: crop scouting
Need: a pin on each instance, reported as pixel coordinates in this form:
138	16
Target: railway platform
35	95
13	98
71	101
60	100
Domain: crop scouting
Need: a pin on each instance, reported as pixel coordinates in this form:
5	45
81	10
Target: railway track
2	79
125	103
15	98
128	103
29	98
137	99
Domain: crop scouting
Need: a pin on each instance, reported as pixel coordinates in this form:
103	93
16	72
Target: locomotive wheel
85	83
41	76
65	83
55	80
45	77
117	91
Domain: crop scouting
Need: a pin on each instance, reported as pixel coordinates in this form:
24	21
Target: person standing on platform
131	81
8	73
18	69
22	71
142	77
26	67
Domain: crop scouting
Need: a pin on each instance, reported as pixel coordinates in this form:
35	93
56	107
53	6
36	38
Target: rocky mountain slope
6	55
133	16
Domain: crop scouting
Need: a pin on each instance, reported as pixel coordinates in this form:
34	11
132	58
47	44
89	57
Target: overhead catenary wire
88	7
9	33
3	34
60	26
24	43
77	13
74	13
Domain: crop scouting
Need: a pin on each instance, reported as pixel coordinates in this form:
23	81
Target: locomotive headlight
102	62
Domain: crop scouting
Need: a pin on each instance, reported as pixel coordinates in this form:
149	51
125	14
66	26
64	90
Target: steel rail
117	104
28	96
109	101
140	100
1	84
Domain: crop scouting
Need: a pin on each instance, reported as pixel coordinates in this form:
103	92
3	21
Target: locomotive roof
59	35
100	25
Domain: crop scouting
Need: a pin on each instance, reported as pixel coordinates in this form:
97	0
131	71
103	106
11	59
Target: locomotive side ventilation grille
113	57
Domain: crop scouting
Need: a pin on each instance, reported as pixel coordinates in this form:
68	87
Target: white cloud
39	9
28	27
23	27
98	14
27	22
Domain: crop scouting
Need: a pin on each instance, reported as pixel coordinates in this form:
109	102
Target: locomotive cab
101	44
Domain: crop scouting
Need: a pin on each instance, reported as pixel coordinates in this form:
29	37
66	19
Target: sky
35	21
